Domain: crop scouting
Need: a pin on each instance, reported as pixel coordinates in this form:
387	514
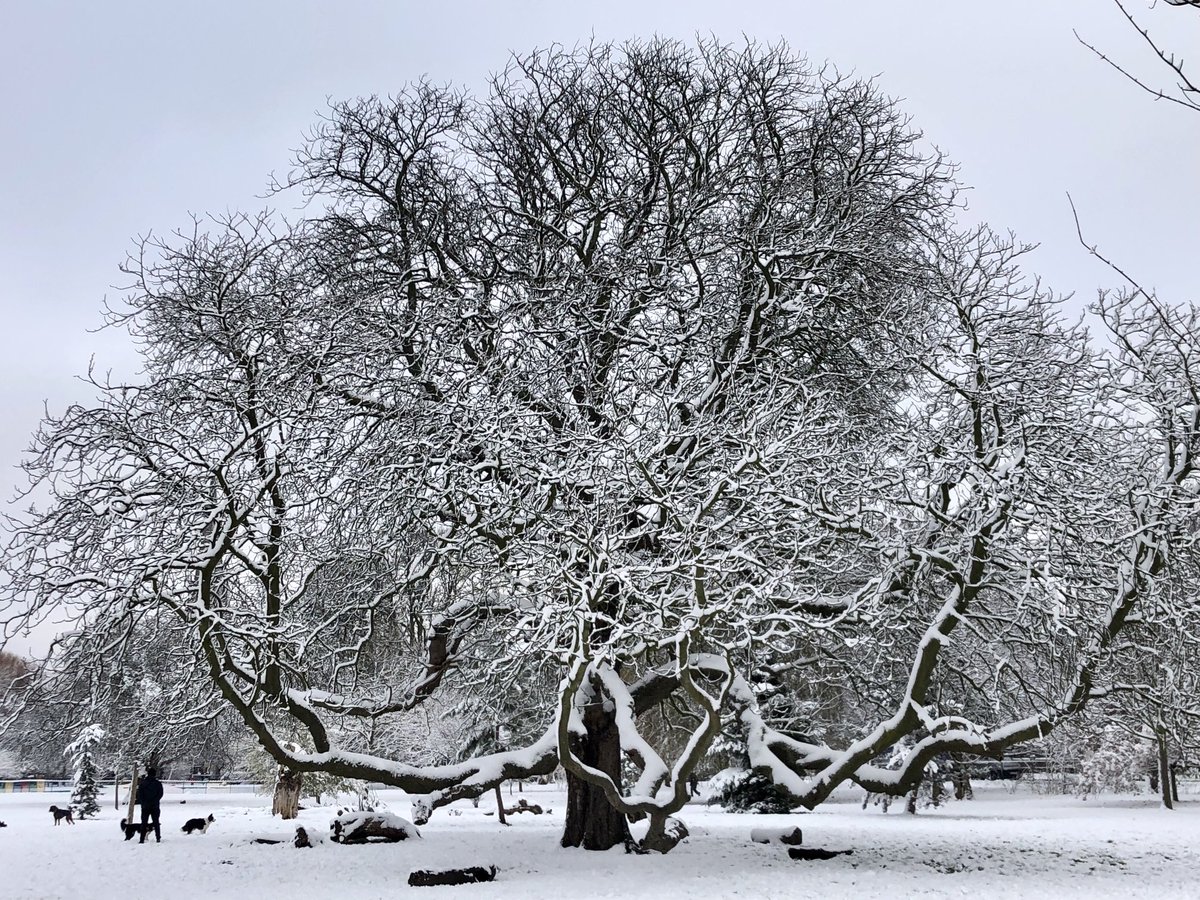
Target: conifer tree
83	761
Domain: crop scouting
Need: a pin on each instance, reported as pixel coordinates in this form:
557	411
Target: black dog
132	828
60	814
200	825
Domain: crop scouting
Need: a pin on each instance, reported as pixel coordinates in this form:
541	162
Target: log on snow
364	828
793	837
815	853
469	875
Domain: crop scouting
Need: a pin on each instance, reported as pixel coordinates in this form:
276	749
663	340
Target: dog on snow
132	828
60	814
200	825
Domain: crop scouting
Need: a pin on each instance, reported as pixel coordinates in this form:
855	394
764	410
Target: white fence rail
49	785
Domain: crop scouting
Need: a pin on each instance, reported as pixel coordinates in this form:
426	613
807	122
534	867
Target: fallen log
816	853
371	828
306	839
522	806
793	837
435	878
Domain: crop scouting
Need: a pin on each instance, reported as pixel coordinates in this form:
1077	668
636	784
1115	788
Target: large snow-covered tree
660	374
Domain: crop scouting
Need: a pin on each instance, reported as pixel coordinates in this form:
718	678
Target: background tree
1185	92
83	752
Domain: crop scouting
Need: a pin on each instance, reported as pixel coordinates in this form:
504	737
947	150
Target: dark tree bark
471	875
961	778
500	807
368	829
286	803
592	822
664	833
1164	770
936	789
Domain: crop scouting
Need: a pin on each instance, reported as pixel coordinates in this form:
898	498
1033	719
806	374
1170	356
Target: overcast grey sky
122	117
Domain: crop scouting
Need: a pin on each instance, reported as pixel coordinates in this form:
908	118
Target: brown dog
60	814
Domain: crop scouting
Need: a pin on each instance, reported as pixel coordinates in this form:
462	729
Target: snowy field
1001	845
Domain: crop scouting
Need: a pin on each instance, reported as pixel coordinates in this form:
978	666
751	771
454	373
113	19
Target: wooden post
133	786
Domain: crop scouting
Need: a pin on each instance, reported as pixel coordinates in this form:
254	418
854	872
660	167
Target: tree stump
663	835
371	828
469	875
422	809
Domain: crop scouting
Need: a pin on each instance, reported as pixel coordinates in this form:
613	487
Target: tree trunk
500	806
1174	782
592	822
962	780
133	786
1164	770
663	834
286	802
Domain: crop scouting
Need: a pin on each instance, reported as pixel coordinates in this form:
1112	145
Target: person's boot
157	833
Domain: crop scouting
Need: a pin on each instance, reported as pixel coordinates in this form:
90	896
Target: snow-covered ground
1001	845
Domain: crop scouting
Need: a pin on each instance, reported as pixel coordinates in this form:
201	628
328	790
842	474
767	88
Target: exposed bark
815	853
500	807
592	822
133	786
469	875
1164	769
664	833
286	802
522	806
960	777
383	829
936	788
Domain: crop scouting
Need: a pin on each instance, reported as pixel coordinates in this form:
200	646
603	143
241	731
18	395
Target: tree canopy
660	377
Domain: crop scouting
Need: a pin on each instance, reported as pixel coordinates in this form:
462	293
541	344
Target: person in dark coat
149	798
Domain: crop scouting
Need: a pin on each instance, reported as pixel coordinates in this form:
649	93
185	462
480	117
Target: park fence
50	785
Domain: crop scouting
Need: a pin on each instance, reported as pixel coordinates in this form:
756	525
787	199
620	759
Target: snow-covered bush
740	790
1116	765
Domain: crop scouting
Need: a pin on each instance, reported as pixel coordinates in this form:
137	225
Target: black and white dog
132	828
200	825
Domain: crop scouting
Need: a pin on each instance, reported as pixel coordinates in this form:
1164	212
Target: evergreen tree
83	760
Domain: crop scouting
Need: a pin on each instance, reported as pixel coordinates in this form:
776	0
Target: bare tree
1185	92
658	368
